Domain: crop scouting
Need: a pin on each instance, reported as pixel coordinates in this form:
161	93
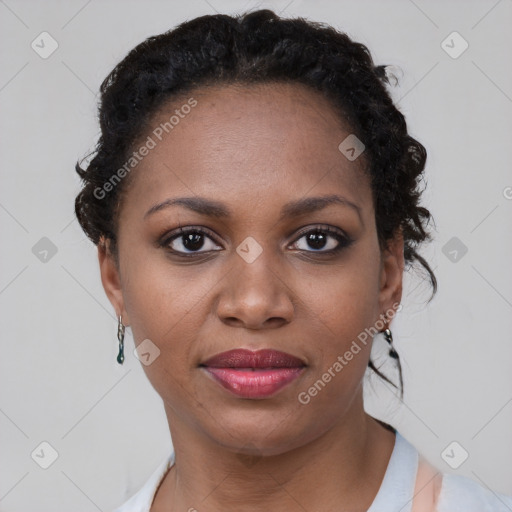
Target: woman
254	197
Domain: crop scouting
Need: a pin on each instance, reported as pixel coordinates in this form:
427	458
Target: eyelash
343	240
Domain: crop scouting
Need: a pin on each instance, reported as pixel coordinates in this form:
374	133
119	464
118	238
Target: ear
111	279
391	273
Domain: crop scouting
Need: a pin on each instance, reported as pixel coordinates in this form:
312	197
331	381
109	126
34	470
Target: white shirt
457	494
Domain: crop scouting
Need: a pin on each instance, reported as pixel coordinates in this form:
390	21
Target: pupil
316	240
193	241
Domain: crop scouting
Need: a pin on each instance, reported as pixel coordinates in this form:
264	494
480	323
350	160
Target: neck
344	465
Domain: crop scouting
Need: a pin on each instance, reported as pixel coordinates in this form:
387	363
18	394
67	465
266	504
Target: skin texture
255	148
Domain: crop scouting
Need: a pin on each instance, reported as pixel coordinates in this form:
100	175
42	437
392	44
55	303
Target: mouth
255	375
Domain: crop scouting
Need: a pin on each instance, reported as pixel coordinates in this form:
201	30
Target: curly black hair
259	47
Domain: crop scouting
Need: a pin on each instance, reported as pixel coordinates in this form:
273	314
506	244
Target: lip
249	374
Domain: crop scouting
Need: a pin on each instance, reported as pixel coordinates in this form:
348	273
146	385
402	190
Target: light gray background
60	382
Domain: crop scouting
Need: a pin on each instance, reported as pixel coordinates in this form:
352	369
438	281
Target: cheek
166	305
344	310
160	297
347	301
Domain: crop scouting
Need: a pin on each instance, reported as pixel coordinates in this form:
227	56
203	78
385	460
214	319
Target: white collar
395	490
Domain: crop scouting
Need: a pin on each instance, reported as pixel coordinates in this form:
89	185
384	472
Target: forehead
238	141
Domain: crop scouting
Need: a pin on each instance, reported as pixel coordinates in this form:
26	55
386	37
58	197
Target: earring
389	338
120	337
394	354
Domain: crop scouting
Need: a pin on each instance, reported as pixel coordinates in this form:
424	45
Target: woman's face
254	164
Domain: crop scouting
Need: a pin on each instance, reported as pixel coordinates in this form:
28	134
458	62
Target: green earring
120	337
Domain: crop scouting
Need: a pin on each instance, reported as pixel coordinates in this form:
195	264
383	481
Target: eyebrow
217	209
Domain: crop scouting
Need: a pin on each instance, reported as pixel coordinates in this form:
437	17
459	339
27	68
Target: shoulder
142	500
459	493
438	491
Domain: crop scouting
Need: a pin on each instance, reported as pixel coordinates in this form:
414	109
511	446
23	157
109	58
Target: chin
265	433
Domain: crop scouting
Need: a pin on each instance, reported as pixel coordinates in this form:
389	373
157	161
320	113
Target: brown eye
323	240
190	241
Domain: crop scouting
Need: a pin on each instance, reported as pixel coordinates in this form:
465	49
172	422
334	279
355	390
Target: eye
321	239
324	239
190	241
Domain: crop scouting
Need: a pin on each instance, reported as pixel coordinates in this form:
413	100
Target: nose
256	295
